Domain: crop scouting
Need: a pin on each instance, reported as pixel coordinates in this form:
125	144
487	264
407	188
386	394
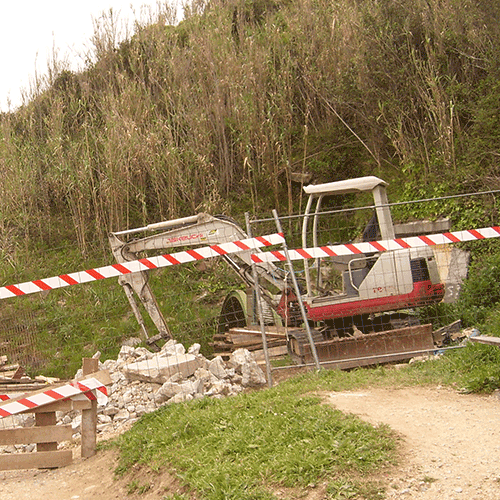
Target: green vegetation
217	114
220	113
243	447
253	444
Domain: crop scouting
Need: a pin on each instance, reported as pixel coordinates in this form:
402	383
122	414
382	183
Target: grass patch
135	487
342	489
473	368
246	446
239	448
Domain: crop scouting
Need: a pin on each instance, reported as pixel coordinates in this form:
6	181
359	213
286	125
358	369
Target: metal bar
353	209
161	225
259	309
297	292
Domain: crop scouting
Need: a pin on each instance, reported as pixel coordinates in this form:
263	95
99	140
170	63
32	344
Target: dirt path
451	449
451	441
86	479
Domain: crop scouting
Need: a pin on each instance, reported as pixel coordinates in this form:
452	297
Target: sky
32	31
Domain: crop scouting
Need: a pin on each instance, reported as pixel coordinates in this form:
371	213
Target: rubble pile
143	381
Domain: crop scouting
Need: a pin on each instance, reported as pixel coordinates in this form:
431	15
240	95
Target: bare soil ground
450	447
450	441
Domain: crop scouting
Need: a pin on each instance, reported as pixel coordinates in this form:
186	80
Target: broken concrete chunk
244	364
121	416
217	367
170	389
180	398
171	348
194	349
125	352
160	369
240	357
204	375
141	385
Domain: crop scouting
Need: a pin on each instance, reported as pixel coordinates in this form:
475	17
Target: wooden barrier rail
46	434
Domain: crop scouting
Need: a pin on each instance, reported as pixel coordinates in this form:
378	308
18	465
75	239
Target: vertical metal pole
297	293
259	309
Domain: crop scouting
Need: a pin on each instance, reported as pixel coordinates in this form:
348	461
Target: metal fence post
297	293
259	310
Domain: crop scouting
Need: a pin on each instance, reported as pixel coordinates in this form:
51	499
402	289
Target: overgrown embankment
220	113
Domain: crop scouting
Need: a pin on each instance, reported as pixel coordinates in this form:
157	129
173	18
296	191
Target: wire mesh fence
323	299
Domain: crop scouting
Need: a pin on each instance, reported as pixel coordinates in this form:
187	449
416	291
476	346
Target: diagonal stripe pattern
248	244
71	390
380	246
116	270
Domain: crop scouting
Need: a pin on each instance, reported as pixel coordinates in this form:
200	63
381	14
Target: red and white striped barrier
90	388
172	259
379	246
149	263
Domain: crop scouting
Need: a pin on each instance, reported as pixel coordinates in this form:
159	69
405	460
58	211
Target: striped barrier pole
166	260
380	246
90	388
135	266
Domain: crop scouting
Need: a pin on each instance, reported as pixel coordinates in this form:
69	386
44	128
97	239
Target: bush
480	295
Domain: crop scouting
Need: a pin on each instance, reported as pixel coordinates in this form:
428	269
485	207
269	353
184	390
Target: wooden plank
27	435
270	329
38	460
485	339
65	405
8	368
46	419
273	352
90	365
20	387
102	376
19	373
89	417
244	340
89	431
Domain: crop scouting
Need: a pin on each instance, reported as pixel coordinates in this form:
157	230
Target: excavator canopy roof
343	187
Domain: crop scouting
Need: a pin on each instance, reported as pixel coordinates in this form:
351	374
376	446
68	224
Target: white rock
194	349
204	375
128	396
171	347
170	389
244	363
121	416
110	410
76	424
219	387
140	410
104	419
160	369
217	367
180	398
125	352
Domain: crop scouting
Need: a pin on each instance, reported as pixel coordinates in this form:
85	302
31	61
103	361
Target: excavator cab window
372	229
